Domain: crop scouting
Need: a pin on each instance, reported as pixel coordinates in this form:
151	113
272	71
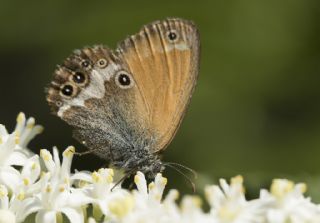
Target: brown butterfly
126	105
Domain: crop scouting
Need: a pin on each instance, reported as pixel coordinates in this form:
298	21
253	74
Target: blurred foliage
256	108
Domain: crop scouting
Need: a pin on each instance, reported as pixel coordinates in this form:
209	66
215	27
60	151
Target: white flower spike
13	148
52	192
289	204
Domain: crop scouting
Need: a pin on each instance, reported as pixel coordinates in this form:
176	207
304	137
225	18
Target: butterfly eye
102	63
124	80
67	90
79	78
172	36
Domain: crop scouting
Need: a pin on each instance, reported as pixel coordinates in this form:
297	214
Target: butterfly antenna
183	174
178	165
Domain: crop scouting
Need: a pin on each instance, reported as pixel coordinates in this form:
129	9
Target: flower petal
26	207
141	183
10	177
16	158
31	169
7	216
78	198
3	131
74	215
44	216
21	120
47	159
66	162
82	175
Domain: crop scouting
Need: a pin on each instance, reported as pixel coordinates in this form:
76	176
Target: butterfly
126	105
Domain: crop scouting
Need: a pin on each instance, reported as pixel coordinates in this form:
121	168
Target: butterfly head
140	159
153	168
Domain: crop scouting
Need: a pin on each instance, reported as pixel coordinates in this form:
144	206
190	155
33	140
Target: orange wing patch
164	61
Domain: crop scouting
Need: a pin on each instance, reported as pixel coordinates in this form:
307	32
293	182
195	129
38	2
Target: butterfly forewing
164	61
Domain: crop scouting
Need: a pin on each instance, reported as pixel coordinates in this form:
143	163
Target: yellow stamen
42	174
26	181
136	179
157	197
226	214
34	166
48	189
109	179
20	118
46	156
61	188
66	180
96	177
280	188
197	201
164	181
174	194
121	207
151	185
3	191
303	187
69	151
17	133
17	140
21	196
82	183
30	123
237	180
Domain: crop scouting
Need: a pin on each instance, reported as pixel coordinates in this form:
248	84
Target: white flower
145	204
98	187
191	211
228	203
59	172
54	199
4	199
289	204
26	130
152	194
25	183
56	195
141	204
13	149
11	207
59	192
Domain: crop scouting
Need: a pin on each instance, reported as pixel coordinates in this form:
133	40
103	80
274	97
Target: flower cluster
43	189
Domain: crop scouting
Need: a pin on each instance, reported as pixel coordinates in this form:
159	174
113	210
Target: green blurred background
256	108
